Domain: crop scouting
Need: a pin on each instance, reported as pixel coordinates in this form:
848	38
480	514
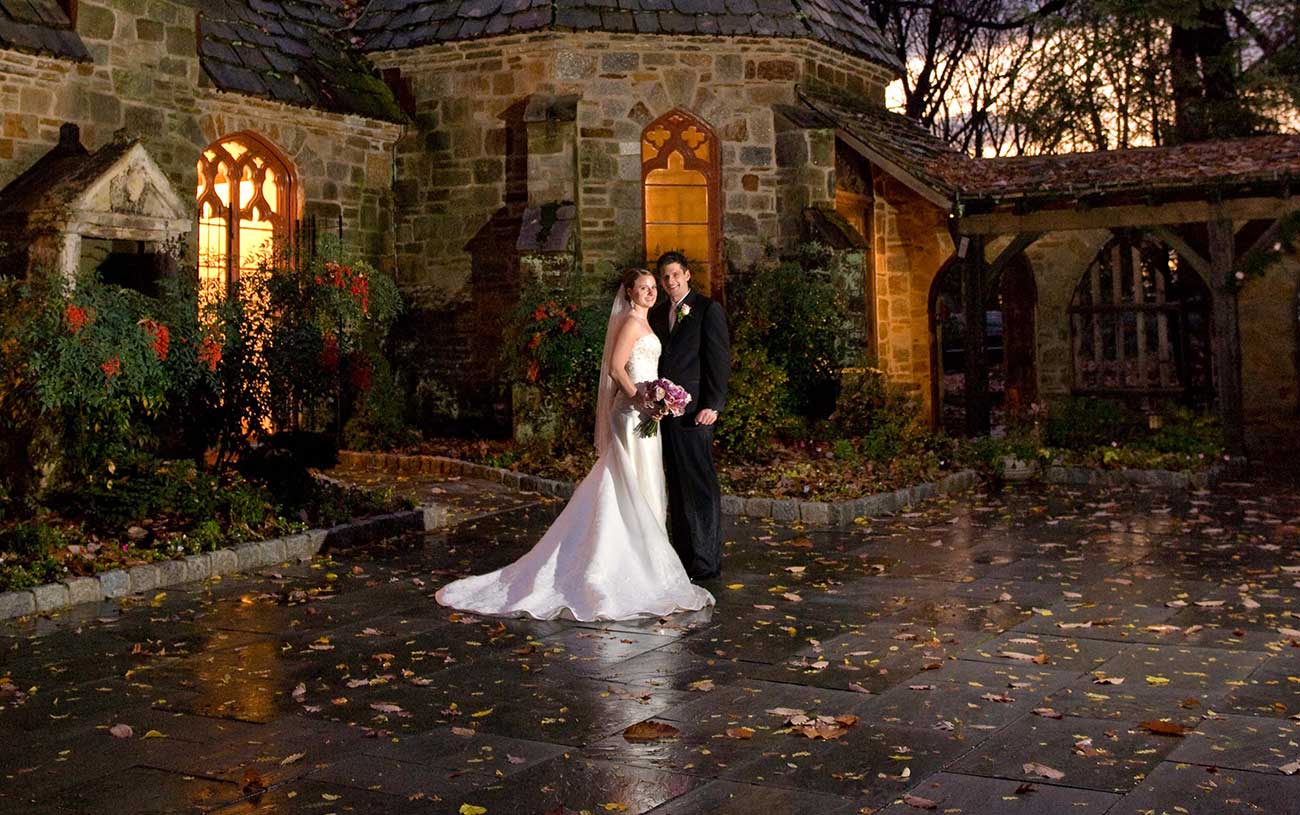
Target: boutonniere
683	311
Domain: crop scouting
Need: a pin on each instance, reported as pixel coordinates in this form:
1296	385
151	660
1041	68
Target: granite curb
147	577
1095	477
840	513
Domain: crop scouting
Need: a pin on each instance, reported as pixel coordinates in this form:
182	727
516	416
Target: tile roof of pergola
1260	165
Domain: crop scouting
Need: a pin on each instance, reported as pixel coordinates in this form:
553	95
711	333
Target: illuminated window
245	203
683	209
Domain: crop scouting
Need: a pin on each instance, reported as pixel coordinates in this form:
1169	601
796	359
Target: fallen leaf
293	759
792	597
154	734
253	783
1046	713
919	802
470	809
1040	659
463	731
1290	769
997	697
740	733
650	731
703	685
122	731
785	711
1042	770
614	807
1157	680
854	686
1102	679
1163	728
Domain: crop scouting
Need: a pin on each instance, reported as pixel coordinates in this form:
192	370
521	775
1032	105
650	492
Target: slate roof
40	27
389	25
59	176
295	52
914	151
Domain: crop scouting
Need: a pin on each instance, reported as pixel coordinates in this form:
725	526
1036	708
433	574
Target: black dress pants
694	498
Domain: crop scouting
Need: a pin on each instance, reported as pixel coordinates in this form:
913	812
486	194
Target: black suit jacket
697	352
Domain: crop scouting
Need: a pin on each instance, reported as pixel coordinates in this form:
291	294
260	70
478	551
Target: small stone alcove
112	211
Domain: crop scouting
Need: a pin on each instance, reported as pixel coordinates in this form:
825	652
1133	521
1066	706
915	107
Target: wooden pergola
1214	233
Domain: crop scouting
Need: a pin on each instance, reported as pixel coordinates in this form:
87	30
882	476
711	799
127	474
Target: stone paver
970	638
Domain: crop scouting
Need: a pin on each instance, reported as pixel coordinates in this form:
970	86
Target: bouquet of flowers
669	398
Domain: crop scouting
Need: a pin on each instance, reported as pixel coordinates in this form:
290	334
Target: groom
693	332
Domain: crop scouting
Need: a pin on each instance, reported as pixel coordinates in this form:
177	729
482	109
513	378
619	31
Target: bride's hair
630	277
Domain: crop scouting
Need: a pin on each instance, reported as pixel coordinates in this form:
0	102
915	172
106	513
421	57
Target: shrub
380	422
1080	423
758	405
796	316
34	540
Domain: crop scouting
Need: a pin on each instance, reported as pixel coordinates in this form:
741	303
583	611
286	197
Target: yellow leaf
329	797
481	713
1157	680
470	809
154	734
615	807
734	586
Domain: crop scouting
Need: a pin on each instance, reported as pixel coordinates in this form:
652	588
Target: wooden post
1227	336
977	369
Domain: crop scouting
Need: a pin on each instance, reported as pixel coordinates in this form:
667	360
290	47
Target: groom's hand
706	416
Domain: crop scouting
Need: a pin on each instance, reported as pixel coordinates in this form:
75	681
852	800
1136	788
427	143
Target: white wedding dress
607	556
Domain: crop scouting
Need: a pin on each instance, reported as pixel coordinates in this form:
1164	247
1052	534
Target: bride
607	556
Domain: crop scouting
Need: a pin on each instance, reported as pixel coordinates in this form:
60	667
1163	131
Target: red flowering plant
552	349
332	316
96	364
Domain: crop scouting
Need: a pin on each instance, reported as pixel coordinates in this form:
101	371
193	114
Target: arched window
245	202
1140	323
683	206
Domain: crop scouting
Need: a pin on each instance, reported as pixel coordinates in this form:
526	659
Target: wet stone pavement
1037	651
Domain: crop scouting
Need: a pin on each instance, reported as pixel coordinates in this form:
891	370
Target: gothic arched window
245	202
682	194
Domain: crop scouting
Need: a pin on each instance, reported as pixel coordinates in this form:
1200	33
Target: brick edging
839	513
118	583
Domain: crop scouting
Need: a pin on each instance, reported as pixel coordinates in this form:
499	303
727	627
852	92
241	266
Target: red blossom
111	367
360	373
161	337
534	342
329	355
534	368
567	325
210	353
76	317
539	314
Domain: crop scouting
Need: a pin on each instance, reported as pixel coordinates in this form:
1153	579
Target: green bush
796	316
1080	423
380	422
758	406
206	536
33	540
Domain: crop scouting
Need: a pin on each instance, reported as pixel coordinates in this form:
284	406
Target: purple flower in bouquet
667	397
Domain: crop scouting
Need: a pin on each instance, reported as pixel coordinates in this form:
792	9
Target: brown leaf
1102	679
122	731
997	697
650	731
1163	728
253	783
1040	659
800	543
1042	770
740	733
1047	713
854	686
919	802
1025	789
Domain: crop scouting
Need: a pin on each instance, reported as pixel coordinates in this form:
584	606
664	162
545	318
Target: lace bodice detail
643	364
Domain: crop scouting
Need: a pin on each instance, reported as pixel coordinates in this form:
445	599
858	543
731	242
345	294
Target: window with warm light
683	209
245	204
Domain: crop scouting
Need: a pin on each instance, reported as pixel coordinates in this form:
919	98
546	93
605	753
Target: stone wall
465	172
911	244
1059	260
1269	317
145	77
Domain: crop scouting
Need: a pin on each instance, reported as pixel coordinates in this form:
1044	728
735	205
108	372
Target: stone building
465	145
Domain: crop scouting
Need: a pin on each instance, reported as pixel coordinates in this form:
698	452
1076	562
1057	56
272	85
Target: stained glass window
683	209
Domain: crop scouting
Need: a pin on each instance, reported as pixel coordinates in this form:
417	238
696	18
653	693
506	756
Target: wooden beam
978	408
1185	251
1109	217
1270	235
910	181
1226	338
1010	252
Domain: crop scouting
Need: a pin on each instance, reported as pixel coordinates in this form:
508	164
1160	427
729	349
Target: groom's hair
668	258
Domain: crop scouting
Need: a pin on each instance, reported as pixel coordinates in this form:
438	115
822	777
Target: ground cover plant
140	427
